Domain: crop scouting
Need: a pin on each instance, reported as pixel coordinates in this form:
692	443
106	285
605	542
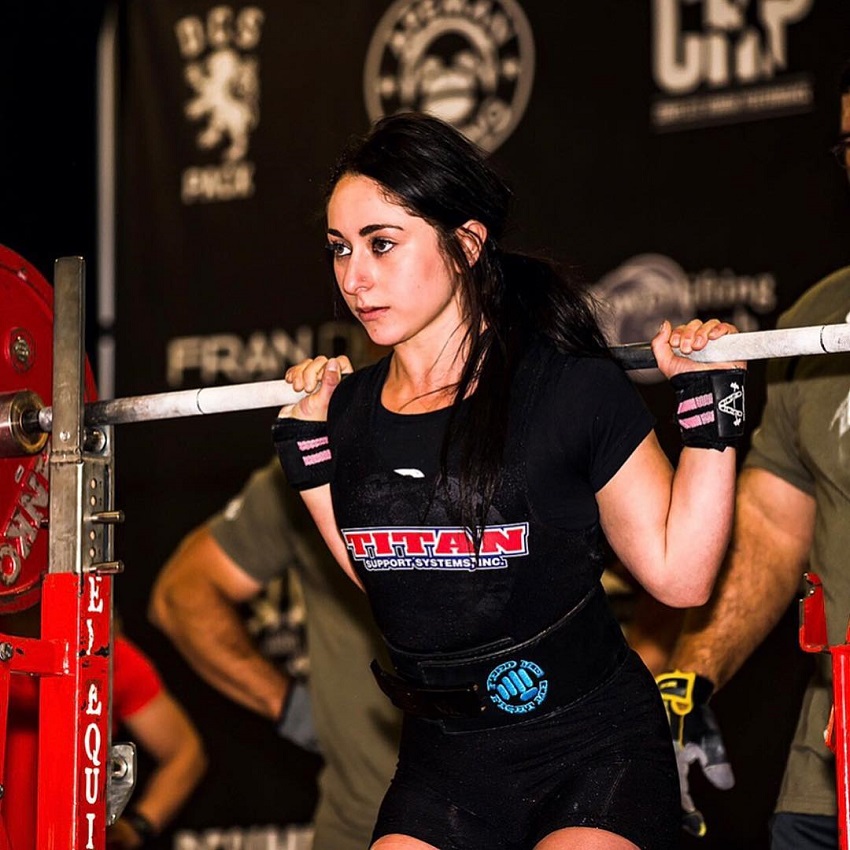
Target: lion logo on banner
228	95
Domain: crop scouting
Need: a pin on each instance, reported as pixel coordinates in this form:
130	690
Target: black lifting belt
507	682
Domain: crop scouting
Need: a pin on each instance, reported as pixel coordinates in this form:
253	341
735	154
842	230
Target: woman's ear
472	236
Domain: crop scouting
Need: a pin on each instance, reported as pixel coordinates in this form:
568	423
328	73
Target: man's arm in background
195	601
774	524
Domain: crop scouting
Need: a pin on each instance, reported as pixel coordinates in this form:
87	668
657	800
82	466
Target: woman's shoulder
556	381
552	360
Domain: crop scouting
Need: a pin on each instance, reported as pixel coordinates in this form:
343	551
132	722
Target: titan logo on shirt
424	548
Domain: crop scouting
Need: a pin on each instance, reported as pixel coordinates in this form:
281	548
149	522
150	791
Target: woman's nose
355	276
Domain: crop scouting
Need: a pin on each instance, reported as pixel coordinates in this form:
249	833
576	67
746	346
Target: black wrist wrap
304	452
710	407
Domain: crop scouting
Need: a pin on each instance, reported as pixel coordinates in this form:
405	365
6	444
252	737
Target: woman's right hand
318	377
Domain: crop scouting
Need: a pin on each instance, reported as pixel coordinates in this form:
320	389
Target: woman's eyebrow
369	228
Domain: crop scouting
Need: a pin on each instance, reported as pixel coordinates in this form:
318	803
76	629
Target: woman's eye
381	246
338	249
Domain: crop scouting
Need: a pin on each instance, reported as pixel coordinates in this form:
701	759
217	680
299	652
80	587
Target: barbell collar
17	434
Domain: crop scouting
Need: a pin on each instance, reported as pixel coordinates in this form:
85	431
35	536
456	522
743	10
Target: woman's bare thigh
583	838
401	842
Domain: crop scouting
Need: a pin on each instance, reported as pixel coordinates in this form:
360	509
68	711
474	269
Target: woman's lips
367	314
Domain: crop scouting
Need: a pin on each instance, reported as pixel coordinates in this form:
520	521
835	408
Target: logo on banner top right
634	297
468	62
725	61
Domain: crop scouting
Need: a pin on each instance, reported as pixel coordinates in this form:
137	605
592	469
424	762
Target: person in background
264	533
141	706
154	720
791	515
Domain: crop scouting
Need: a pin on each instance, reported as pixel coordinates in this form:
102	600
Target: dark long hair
435	173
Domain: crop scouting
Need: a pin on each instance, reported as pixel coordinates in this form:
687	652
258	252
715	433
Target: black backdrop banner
672	154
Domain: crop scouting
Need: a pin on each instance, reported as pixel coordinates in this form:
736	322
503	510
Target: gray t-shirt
267	530
804	438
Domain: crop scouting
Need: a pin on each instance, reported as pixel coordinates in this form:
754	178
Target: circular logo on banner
637	296
517	687
467	62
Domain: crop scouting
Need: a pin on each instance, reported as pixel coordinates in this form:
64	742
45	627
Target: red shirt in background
135	682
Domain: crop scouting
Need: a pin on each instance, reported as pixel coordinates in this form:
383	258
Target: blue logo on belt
517	687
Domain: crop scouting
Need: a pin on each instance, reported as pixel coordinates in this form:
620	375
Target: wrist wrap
710	407
304	452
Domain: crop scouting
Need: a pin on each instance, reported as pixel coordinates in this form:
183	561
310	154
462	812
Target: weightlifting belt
506	682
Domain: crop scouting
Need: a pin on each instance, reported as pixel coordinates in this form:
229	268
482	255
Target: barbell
25	421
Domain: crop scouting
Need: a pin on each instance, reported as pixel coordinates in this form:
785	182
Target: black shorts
606	762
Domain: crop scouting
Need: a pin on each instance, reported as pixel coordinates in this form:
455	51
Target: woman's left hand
693	336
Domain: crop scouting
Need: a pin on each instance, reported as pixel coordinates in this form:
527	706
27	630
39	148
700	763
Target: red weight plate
26	363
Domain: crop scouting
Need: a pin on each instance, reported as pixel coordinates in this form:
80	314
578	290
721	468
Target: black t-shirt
574	421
